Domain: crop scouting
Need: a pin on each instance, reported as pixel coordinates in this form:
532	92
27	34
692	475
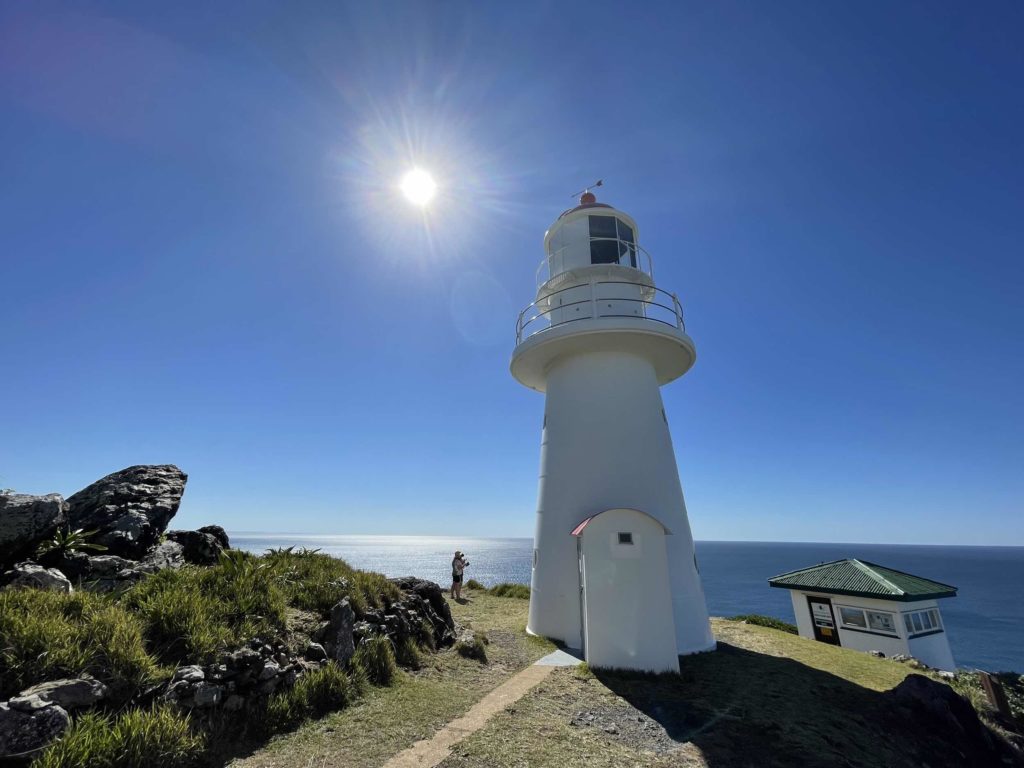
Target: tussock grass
46	635
138	738
407	654
375	657
474	647
474	584
315	694
192	613
313	581
520	591
766	621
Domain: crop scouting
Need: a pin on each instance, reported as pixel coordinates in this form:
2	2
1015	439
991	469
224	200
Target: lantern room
590	235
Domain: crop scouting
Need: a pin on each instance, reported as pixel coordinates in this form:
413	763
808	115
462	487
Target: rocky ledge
123	515
112	534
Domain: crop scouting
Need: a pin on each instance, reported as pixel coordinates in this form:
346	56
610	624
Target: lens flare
418	186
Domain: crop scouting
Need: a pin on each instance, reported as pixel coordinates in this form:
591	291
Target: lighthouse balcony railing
623	253
600	299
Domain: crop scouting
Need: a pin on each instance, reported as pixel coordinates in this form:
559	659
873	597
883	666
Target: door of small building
823	620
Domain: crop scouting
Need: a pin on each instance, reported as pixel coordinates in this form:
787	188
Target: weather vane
598	183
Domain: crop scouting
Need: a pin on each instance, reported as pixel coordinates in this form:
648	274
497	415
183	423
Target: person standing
459	564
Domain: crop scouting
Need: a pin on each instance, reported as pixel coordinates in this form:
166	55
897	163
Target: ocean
985	621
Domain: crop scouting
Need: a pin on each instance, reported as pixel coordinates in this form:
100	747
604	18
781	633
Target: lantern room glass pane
603	226
604	252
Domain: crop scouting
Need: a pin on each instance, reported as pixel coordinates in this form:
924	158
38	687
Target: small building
868	607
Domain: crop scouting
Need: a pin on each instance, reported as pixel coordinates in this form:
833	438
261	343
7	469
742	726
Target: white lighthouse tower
614	572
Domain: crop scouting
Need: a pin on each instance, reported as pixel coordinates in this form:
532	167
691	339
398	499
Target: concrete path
430	752
569	657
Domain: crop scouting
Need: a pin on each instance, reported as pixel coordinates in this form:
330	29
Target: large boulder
35	576
199	547
26	521
937	708
28	724
73	693
336	634
218	533
130	509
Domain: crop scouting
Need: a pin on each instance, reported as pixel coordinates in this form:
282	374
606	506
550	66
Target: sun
419	187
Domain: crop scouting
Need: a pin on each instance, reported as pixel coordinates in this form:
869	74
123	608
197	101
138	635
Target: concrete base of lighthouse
606	445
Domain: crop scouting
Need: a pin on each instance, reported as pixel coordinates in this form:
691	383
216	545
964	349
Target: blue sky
204	259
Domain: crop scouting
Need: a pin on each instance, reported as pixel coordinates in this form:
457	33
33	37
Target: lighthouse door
626	600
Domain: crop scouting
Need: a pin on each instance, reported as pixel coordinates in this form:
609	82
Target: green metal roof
862	579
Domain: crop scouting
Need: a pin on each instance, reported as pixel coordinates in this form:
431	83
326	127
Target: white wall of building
606	445
932	649
627	604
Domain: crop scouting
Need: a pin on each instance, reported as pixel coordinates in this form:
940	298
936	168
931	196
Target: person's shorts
456	579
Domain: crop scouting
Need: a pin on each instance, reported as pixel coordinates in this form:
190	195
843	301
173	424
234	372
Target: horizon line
292	534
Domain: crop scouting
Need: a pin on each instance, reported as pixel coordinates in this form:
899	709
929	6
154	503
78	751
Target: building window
535	558
918	622
882	622
873	621
611	241
625	538
853	617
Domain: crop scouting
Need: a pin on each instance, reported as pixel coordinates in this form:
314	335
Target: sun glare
418	186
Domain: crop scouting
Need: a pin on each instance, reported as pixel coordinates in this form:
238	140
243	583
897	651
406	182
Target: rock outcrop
937	708
35	576
130	509
426	599
200	547
73	693
26	521
336	635
27	723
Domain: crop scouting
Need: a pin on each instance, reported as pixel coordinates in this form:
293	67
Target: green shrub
474	584
139	738
425	635
407	654
316	693
313	581
766	621
47	635
520	591
191	613
472	646
375	657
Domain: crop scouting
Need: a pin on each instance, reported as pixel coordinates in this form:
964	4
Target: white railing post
593	298
679	312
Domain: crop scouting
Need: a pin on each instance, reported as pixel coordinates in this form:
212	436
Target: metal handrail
648	300
645	263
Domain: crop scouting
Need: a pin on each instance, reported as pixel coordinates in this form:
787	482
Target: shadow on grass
743	708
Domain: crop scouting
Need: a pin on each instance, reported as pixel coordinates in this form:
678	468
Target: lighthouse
614	572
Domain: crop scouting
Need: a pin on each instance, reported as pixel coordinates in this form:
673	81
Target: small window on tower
625	538
604	246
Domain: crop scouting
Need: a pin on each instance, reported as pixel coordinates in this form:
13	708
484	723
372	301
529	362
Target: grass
136	637
46	635
766	621
377	660
473	646
519	591
387	720
314	695
505	589
138	738
765	698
